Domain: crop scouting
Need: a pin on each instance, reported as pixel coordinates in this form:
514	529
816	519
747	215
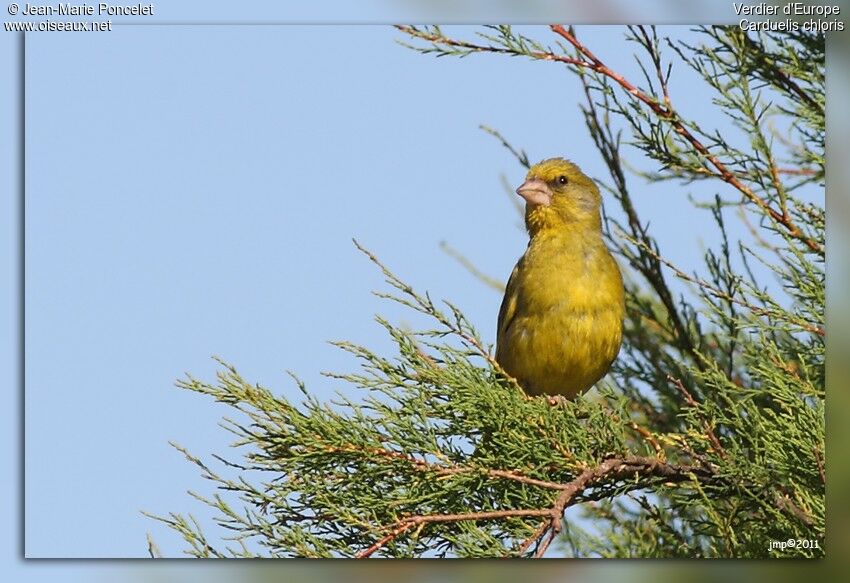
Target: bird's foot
555	400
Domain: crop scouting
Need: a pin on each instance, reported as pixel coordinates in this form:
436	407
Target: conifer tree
707	437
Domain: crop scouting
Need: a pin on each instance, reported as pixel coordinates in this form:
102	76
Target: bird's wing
508	310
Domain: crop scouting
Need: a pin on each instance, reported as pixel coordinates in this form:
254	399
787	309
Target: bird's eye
562	180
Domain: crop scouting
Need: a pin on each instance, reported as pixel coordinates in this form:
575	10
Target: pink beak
535	192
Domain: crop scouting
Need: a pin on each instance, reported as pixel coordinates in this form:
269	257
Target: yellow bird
561	320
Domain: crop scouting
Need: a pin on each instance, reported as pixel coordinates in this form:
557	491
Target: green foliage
707	440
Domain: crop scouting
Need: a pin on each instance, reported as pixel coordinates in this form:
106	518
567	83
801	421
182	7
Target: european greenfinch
561	320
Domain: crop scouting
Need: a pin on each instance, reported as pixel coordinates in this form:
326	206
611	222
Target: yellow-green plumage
560	324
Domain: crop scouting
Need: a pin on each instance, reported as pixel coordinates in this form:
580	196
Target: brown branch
544	546
647	435
441	470
535	536
405	524
715	443
798	171
620	467
649	266
668	113
785	503
665	112
366	553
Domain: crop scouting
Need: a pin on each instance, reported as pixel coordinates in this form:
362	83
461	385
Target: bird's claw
556	400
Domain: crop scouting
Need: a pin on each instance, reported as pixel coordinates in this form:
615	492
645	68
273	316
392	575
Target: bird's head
559	195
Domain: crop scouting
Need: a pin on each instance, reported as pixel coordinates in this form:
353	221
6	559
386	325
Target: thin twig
464	261
669	114
153	549
520	155
781	75
425	305
712	437
720	294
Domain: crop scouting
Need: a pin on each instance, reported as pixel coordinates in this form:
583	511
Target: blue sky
193	191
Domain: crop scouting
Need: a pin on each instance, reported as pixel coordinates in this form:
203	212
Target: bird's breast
566	327
582	277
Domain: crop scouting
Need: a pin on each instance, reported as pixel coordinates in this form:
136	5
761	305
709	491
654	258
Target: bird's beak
536	192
